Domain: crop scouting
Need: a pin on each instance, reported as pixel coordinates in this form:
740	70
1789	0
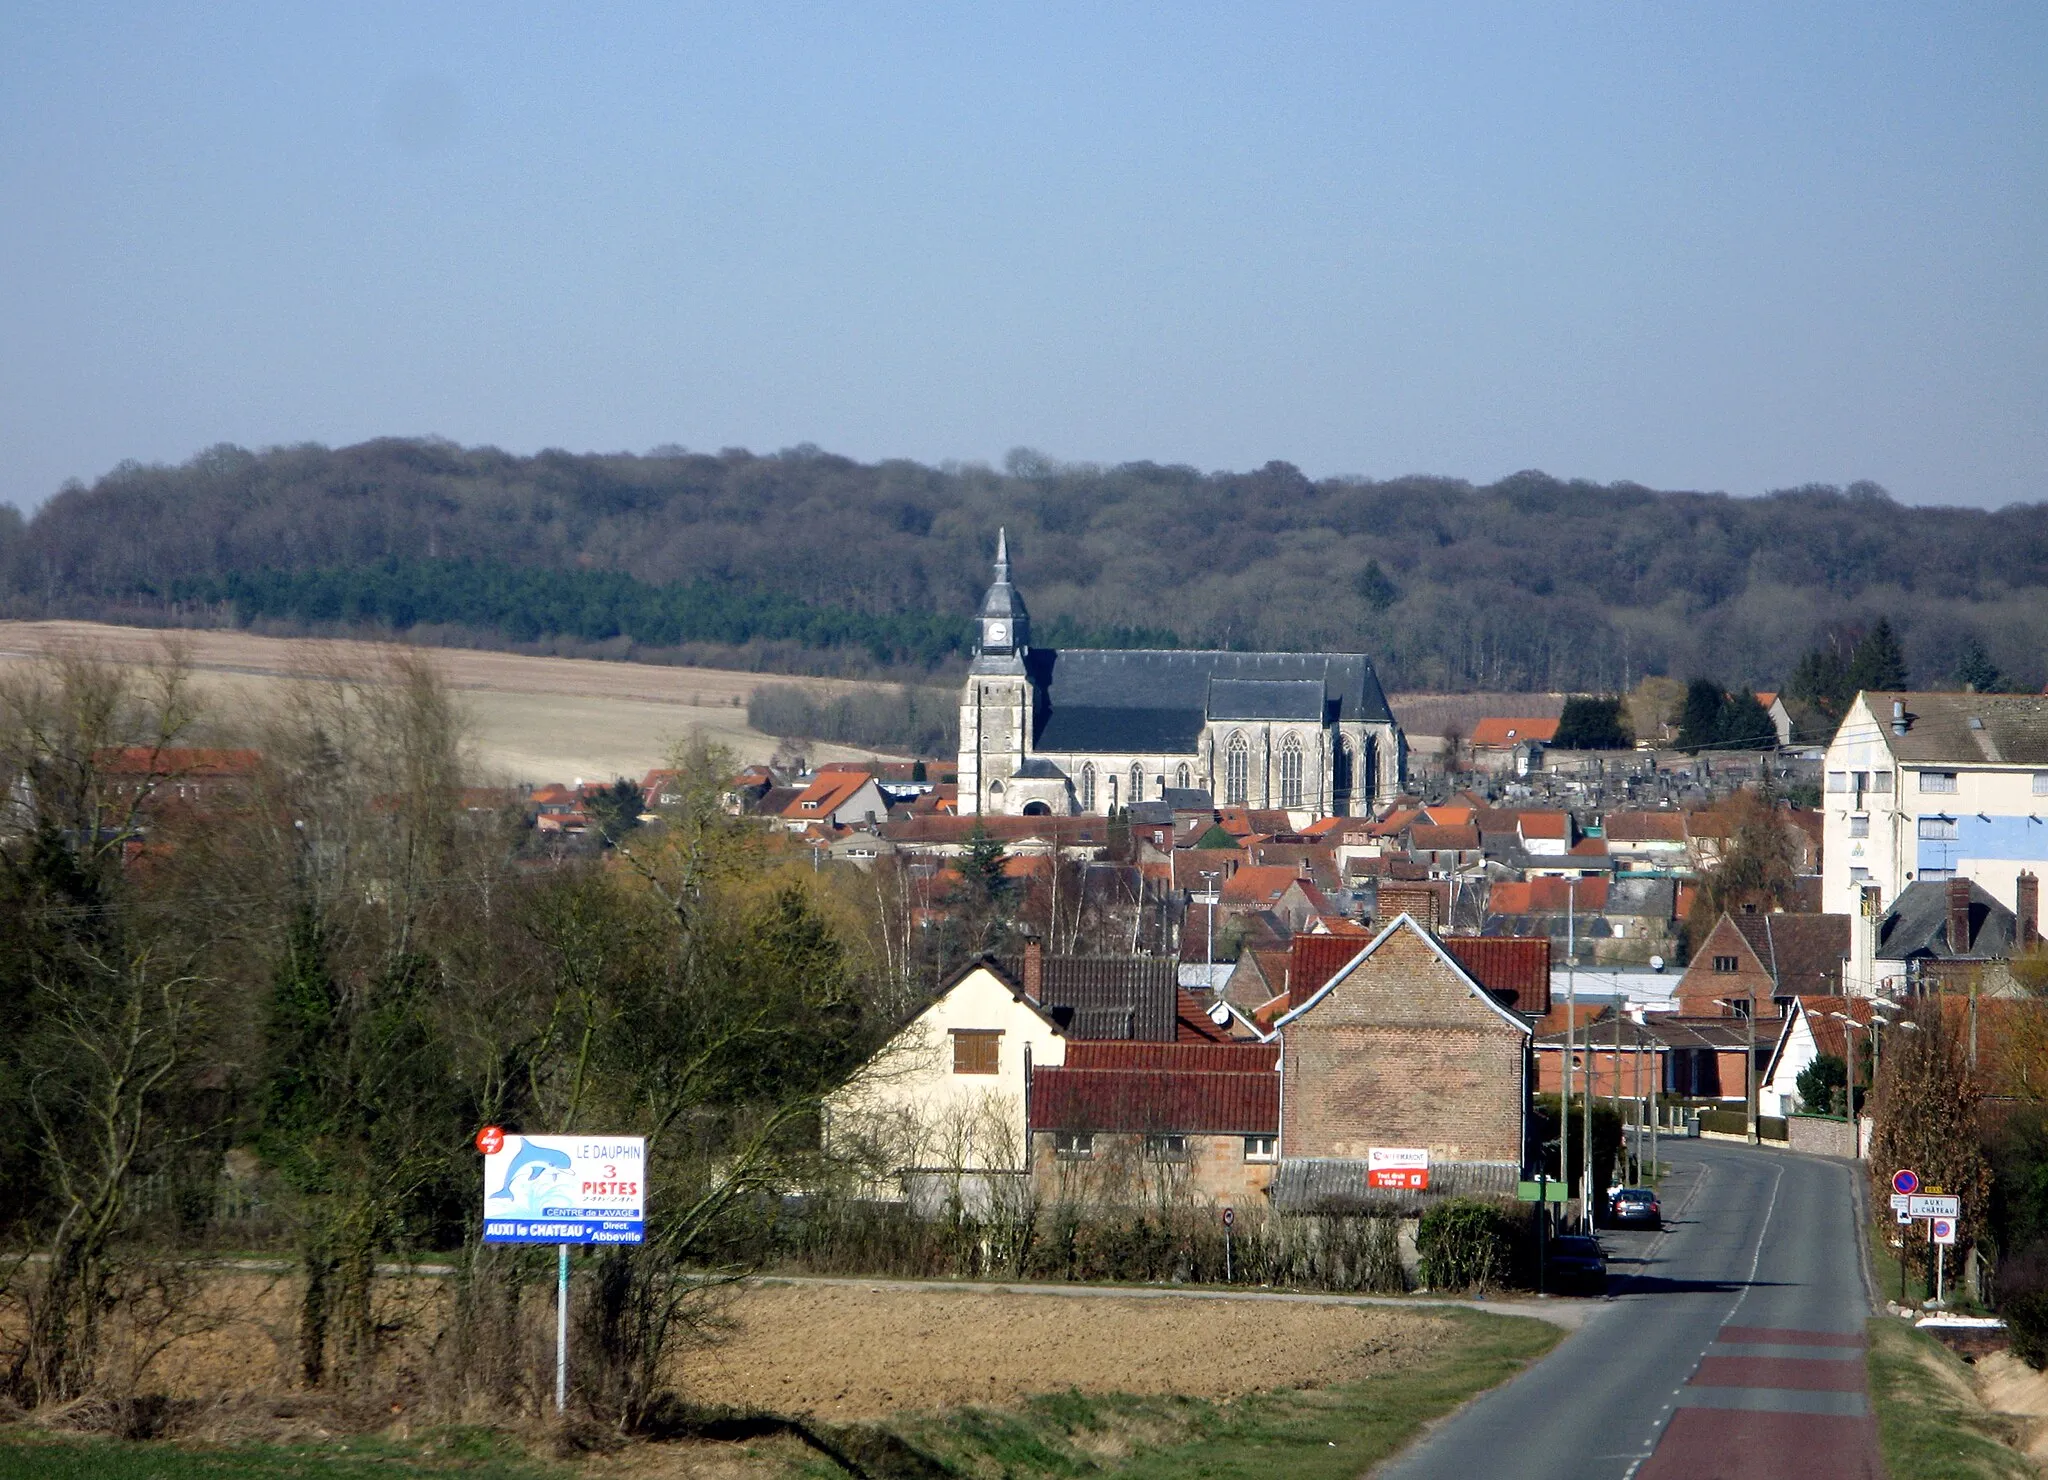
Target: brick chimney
1034	971
2028	908
1419	901
1959	917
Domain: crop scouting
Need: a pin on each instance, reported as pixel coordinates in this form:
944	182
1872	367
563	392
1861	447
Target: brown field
841	1351
534	719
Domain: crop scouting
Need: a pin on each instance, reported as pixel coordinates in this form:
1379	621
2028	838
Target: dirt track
847	1353
536	719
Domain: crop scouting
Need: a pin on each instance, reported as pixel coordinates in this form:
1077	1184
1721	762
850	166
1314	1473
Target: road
1731	1346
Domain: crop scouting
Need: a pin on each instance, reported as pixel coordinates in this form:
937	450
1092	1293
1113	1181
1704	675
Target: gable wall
1701	985
1400	1053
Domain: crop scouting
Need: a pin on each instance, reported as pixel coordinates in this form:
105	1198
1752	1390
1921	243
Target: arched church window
1109	782
1182	778
1290	771
1137	782
1088	787
1237	771
1341	776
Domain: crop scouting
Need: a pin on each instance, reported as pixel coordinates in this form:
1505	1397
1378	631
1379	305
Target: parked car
1576	1262
1635	1207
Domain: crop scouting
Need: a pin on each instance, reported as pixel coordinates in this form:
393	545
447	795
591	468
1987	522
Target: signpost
563	1190
1402	1167
1229	1217
1934	1207
1942	1213
1905	1183
1943	1232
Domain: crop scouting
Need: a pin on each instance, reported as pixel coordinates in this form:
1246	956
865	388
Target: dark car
1635	1207
1576	1262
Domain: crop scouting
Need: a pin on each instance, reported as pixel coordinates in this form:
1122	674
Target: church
1046	732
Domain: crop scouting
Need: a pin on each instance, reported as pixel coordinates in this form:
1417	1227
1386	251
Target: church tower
995	710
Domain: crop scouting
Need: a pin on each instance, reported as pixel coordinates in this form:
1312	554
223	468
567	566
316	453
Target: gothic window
1137	782
1341	775
1088	787
1181	777
1237	771
1110	782
1290	771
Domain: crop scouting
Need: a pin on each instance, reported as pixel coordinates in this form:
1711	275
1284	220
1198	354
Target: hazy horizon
1731	250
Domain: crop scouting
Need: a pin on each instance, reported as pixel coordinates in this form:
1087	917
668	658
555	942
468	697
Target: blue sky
1715	246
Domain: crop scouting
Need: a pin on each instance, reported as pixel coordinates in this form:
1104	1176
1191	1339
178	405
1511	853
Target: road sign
1397	1166
1903	1216
489	1140
1549	1190
1905	1183
1229	1216
1935	1207
565	1190
1899	1201
1944	1230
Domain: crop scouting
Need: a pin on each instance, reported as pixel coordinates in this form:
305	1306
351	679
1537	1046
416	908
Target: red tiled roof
1221	1057
1501	733
1514	968
1644	827
1259	884
1590	848
185	762
1191	1024
828	791
1443	839
1156	1101
1544	824
1315	959
1451	814
1547	897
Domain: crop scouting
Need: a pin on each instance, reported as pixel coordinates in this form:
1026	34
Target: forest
803	561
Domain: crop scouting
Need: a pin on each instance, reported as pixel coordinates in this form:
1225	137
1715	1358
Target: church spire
1002	554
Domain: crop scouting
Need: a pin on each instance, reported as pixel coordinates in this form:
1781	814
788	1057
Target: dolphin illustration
530	1155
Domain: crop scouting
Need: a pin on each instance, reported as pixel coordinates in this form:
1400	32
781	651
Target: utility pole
1750	1074
1210	895
1571	1029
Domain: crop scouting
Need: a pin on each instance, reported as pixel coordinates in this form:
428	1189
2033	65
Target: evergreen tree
1975	671
1822	680
1879	663
1373	586
1699	723
1593	724
616	810
1746	725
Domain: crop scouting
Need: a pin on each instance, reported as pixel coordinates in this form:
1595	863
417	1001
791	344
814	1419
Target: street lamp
1748	1006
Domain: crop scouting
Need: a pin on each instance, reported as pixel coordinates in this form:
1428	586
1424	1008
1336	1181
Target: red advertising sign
490	1140
1408	1179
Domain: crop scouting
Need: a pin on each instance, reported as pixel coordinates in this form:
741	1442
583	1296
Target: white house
948	1091
1925	787
1814	1030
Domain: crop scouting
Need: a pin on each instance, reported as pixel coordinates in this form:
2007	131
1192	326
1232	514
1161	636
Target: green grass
1929	1421
1338	1431
475	1454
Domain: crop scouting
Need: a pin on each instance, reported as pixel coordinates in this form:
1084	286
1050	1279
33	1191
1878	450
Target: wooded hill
805	561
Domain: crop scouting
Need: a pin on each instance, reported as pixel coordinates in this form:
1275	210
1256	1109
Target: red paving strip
1711	1444
1773	1335
1796	1373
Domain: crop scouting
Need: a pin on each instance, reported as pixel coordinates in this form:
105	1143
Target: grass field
1930	1420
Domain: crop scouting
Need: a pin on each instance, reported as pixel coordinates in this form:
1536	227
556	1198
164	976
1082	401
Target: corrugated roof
1156	1101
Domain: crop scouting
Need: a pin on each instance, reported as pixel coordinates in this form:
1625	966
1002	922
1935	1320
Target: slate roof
1131	997
1917	925
1802	952
2011	729
1122	701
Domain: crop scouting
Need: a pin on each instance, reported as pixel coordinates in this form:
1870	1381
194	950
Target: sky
1728	246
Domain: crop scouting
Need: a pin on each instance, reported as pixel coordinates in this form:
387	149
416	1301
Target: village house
1761	962
1401	1047
1949	935
1504	745
1923	788
1646	842
840	795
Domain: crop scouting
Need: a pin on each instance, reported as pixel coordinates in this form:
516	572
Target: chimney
1898	716
2028	908
1959	917
1034	971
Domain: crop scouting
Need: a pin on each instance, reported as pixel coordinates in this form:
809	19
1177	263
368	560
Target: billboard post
563	1190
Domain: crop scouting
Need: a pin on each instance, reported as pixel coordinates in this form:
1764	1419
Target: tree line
1529	582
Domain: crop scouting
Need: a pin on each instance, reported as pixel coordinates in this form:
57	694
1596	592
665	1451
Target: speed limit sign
1229	1216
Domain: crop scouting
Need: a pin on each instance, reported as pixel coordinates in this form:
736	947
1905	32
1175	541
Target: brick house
1404	1046
1770	958
1128	1122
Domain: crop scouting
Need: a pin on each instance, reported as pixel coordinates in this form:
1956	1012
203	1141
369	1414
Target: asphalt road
1730	1346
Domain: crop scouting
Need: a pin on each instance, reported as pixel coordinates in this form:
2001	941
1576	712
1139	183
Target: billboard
564	1189
1404	1167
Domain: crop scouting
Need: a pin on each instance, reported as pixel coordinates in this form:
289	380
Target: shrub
1465	1244
2026	1322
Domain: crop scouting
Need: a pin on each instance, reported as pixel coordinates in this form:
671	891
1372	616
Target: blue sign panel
566	1190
